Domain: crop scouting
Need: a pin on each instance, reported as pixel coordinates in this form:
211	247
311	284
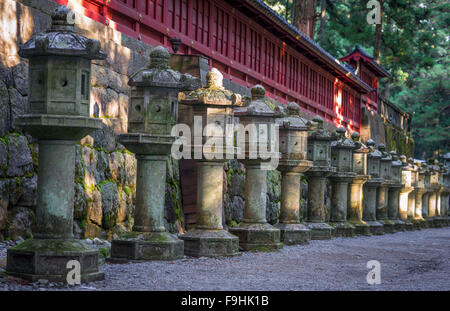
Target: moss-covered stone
398	140
52	246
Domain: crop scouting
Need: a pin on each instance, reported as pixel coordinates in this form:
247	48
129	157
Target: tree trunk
286	10
304	16
323	11
378	33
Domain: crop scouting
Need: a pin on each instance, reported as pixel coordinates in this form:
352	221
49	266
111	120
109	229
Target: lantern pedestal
430	213
418	215
440	221
425	207
145	246
446	218
393	206
355	210
292	232
411	209
210	243
209	239
47	254
254	232
390	170
339	203
257	236
47	259
149	239
382	208
316	221
444	207
403	210
370	205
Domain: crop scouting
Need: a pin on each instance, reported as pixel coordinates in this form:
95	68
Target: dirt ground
417	260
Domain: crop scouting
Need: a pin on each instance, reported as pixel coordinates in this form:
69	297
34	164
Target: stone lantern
152	113
319	151
342	160
446	158
446	192
293	140
440	219
434	198
445	195
212	106
412	195
355	204
383	191
404	192
395	185
420	191
254	232
426	195
59	71
370	189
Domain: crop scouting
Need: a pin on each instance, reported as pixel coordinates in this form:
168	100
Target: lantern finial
355	136
159	58
63	19
341	131
214	79
293	109
258	92
317	119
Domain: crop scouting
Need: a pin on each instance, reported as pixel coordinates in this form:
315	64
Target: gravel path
417	260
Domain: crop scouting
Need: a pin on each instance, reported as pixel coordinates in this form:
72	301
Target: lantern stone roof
446	156
159	73
412	165
61	40
342	142
292	119
435	166
424	168
395	159
406	164
385	155
359	146
318	132
214	94
375	153
259	105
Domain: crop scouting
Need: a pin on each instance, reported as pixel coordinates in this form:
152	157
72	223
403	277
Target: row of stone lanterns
371	189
